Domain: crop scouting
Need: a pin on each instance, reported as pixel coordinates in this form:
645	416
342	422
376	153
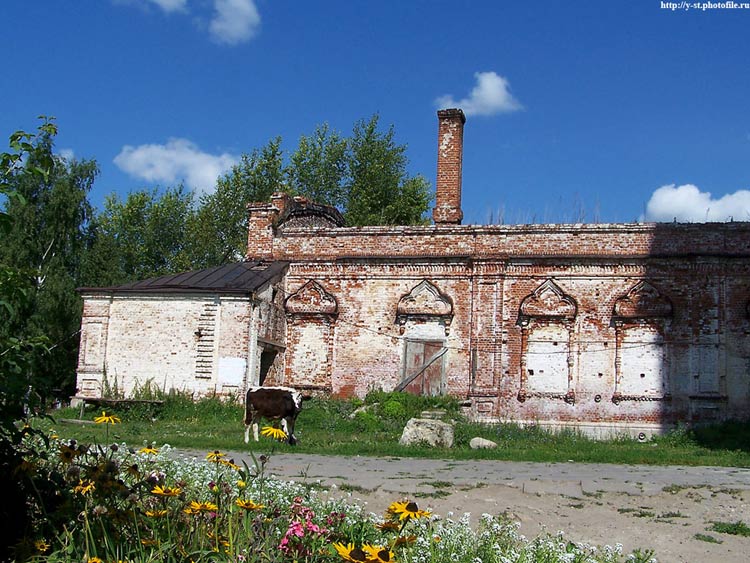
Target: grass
738	528
642	512
673	488
438	484
325	427
347	487
706	538
668	515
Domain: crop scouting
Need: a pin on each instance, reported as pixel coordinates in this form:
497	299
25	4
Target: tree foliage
142	236
53	241
218	228
364	175
47	233
21	346
379	191
151	233
319	167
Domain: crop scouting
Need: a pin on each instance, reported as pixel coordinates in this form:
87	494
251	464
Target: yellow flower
166	491
194	507
388	526
67	454
230	463
215	456
107	419
41	546
248	504
350	553
156	513
150	450
94	560
241	484
406	509
378	554
274	433
26	467
84	487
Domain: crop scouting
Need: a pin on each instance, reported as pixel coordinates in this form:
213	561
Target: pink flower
297	529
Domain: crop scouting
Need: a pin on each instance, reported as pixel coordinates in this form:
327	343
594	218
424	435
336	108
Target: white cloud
490	96
67	154
231	22
178	160
171	5
234	21
687	203
167	6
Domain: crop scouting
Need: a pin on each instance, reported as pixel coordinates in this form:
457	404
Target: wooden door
423	368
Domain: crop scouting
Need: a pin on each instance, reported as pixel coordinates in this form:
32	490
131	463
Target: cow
272	403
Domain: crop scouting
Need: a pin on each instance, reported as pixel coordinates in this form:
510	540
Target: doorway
424	368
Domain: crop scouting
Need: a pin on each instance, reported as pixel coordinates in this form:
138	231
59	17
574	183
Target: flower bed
113	504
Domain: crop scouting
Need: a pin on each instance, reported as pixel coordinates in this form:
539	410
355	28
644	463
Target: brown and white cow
272	403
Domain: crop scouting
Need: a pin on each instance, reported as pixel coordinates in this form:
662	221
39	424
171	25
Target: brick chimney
447	208
260	224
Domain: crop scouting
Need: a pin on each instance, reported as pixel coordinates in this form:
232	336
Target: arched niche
425	304
311	314
547	301
424	316
547	320
311	299
641	318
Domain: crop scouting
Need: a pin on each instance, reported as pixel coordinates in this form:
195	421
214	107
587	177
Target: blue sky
611	110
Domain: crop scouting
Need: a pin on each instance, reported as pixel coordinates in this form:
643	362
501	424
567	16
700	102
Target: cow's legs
247	433
288	424
255	430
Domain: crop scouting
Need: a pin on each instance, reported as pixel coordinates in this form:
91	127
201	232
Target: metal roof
242	277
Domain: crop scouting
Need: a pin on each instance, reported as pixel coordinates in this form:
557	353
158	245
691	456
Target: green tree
20	352
318	169
380	192
46	241
218	229
142	236
364	176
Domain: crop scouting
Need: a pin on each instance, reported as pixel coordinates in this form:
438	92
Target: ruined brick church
610	328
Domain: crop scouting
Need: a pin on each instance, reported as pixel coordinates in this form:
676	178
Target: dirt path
661	508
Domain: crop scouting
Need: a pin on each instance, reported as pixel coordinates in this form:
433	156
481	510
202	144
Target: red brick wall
704	270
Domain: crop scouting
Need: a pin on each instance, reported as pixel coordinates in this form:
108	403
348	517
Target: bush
394	409
413	405
368	422
181	406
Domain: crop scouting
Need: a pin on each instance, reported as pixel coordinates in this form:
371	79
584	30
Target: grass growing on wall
373	427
